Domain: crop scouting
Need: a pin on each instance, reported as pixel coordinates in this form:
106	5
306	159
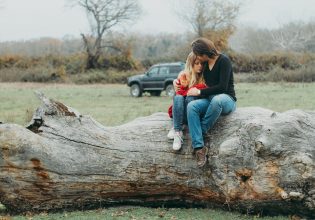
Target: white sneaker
178	140
171	134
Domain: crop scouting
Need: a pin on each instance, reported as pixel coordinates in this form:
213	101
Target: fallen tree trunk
259	160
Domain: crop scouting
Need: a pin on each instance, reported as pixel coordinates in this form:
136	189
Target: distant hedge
304	74
243	63
74	63
293	67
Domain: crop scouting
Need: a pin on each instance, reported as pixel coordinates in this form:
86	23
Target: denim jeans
203	113
180	110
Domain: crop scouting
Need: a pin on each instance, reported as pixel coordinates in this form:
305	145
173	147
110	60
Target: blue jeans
180	110
203	113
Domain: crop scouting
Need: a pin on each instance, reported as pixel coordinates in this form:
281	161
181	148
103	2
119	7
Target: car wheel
135	90
170	90
155	93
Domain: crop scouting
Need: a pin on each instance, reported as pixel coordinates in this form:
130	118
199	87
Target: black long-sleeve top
220	79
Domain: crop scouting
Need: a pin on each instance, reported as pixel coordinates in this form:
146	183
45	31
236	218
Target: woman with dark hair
217	99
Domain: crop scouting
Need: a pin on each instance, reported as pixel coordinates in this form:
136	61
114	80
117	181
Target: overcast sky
29	19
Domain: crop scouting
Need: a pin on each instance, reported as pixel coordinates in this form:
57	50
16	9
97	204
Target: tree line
251	49
206	18
292	37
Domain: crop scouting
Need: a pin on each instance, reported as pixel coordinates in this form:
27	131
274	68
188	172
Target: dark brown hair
202	46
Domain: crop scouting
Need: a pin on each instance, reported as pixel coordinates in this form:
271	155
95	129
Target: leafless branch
292	36
205	15
103	16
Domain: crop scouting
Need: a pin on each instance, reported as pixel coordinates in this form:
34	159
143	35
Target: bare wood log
259	160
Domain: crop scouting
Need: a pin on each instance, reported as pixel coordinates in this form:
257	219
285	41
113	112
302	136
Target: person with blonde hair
217	99
190	77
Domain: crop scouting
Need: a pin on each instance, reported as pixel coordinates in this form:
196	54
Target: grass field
141	213
111	105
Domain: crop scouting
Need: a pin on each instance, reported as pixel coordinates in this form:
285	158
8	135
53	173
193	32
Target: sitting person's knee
190	106
189	99
216	100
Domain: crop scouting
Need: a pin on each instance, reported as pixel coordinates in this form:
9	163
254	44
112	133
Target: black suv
158	78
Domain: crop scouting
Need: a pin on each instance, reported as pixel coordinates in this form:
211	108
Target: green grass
277	96
133	212
112	105
108	104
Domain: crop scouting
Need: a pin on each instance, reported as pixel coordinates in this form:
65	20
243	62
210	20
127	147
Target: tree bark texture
259	161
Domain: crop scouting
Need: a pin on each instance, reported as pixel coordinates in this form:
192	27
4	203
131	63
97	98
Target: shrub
304	74
102	76
118	62
76	63
295	67
35	74
11	74
266	62
146	63
8	61
43	75
93	76
278	74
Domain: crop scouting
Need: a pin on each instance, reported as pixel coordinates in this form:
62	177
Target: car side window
153	72
175	69
164	71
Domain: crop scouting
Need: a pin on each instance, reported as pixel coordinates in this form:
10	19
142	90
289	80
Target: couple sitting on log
204	91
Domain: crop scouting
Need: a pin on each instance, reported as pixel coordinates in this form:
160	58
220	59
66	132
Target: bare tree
208	15
293	36
251	40
103	16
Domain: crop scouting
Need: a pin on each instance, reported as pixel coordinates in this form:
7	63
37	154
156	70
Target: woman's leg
195	111
178	112
178	119
202	114
188	99
219	104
